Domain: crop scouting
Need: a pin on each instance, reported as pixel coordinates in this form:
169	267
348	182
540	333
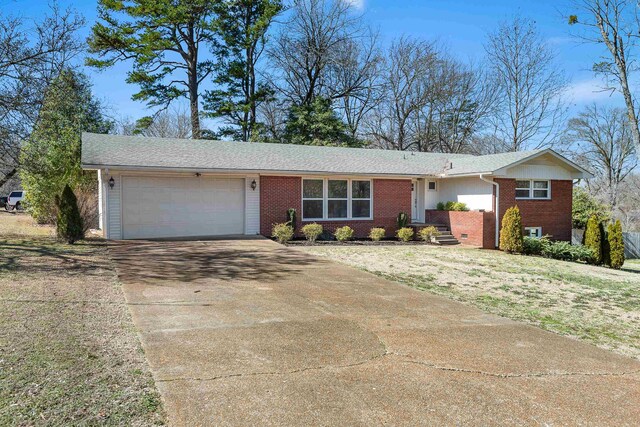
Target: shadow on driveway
183	261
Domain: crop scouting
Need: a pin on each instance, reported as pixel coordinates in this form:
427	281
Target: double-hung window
533	189
336	199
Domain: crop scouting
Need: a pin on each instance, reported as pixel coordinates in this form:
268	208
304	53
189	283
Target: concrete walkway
252	333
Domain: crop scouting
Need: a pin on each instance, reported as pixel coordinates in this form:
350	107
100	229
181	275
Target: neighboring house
154	188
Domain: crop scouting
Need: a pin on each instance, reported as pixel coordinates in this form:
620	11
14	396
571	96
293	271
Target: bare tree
429	102
529	85
465	98
313	48
616	24
603	143
31	55
174	122
394	123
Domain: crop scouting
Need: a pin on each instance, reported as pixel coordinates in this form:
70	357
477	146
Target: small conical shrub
616	245
593	239
511	239
69	222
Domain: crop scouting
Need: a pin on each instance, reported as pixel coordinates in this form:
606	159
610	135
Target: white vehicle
14	201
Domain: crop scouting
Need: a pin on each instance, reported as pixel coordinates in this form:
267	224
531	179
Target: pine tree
616	245
69	223
511	239
593	239
316	124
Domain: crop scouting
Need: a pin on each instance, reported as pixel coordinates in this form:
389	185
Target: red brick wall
478	226
554	215
279	193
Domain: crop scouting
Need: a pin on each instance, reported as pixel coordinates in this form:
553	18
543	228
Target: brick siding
554	215
479	227
279	193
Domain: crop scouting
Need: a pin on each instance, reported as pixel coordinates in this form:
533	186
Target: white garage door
182	207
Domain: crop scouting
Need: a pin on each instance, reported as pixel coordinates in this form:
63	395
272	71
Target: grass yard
69	354
594	304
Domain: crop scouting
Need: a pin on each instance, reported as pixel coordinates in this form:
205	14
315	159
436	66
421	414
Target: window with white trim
533	189
432	186
535	232
336	199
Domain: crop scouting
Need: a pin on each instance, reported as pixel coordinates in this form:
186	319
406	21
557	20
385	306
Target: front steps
445	238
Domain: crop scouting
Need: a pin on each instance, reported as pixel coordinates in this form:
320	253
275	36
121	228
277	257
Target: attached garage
155	207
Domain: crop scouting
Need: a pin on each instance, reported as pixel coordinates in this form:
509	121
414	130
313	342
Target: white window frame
529	230
435	184
325	199
532	188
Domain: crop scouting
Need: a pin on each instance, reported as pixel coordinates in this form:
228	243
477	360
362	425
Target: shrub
69	222
452	206
534	246
428	233
402	220
566	251
593	240
584	205
312	231
616	245
282	232
291	218
405	234
344	233
377	233
511	233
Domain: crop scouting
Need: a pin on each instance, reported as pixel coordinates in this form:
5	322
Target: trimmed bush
344	233
511	239
377	233
428	233
405	234
616	245
282	232
452	206
312	231
440	206
533	245
402	220
593	240
69	222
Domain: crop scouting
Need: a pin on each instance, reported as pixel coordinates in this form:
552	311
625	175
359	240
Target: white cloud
357	4
587	91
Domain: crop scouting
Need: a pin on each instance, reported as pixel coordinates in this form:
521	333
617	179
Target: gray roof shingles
165	153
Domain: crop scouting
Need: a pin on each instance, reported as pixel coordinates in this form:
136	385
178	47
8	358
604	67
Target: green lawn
68	352
595	304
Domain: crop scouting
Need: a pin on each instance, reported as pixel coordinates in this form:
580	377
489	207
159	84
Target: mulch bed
356	242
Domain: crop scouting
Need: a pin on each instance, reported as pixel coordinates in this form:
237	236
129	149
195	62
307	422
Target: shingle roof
165	153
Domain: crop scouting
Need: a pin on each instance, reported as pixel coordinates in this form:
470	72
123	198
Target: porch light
254	184
112	182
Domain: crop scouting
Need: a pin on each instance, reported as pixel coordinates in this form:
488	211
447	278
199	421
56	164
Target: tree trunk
193	105
8	176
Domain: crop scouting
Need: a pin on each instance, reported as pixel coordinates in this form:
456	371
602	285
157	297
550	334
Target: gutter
497	208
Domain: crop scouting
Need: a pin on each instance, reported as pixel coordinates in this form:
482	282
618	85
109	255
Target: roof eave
138	168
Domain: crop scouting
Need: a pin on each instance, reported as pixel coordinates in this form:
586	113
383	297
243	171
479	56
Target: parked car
14	201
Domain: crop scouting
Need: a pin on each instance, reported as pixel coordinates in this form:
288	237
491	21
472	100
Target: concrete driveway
247	332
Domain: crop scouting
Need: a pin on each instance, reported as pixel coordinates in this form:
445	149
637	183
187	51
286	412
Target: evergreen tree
616	245
511	239
241	25
69	225
584	205
51	155
593	239
316	124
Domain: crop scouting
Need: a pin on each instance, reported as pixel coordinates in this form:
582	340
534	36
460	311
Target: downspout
497	207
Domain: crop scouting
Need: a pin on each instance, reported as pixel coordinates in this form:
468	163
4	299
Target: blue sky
461	25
